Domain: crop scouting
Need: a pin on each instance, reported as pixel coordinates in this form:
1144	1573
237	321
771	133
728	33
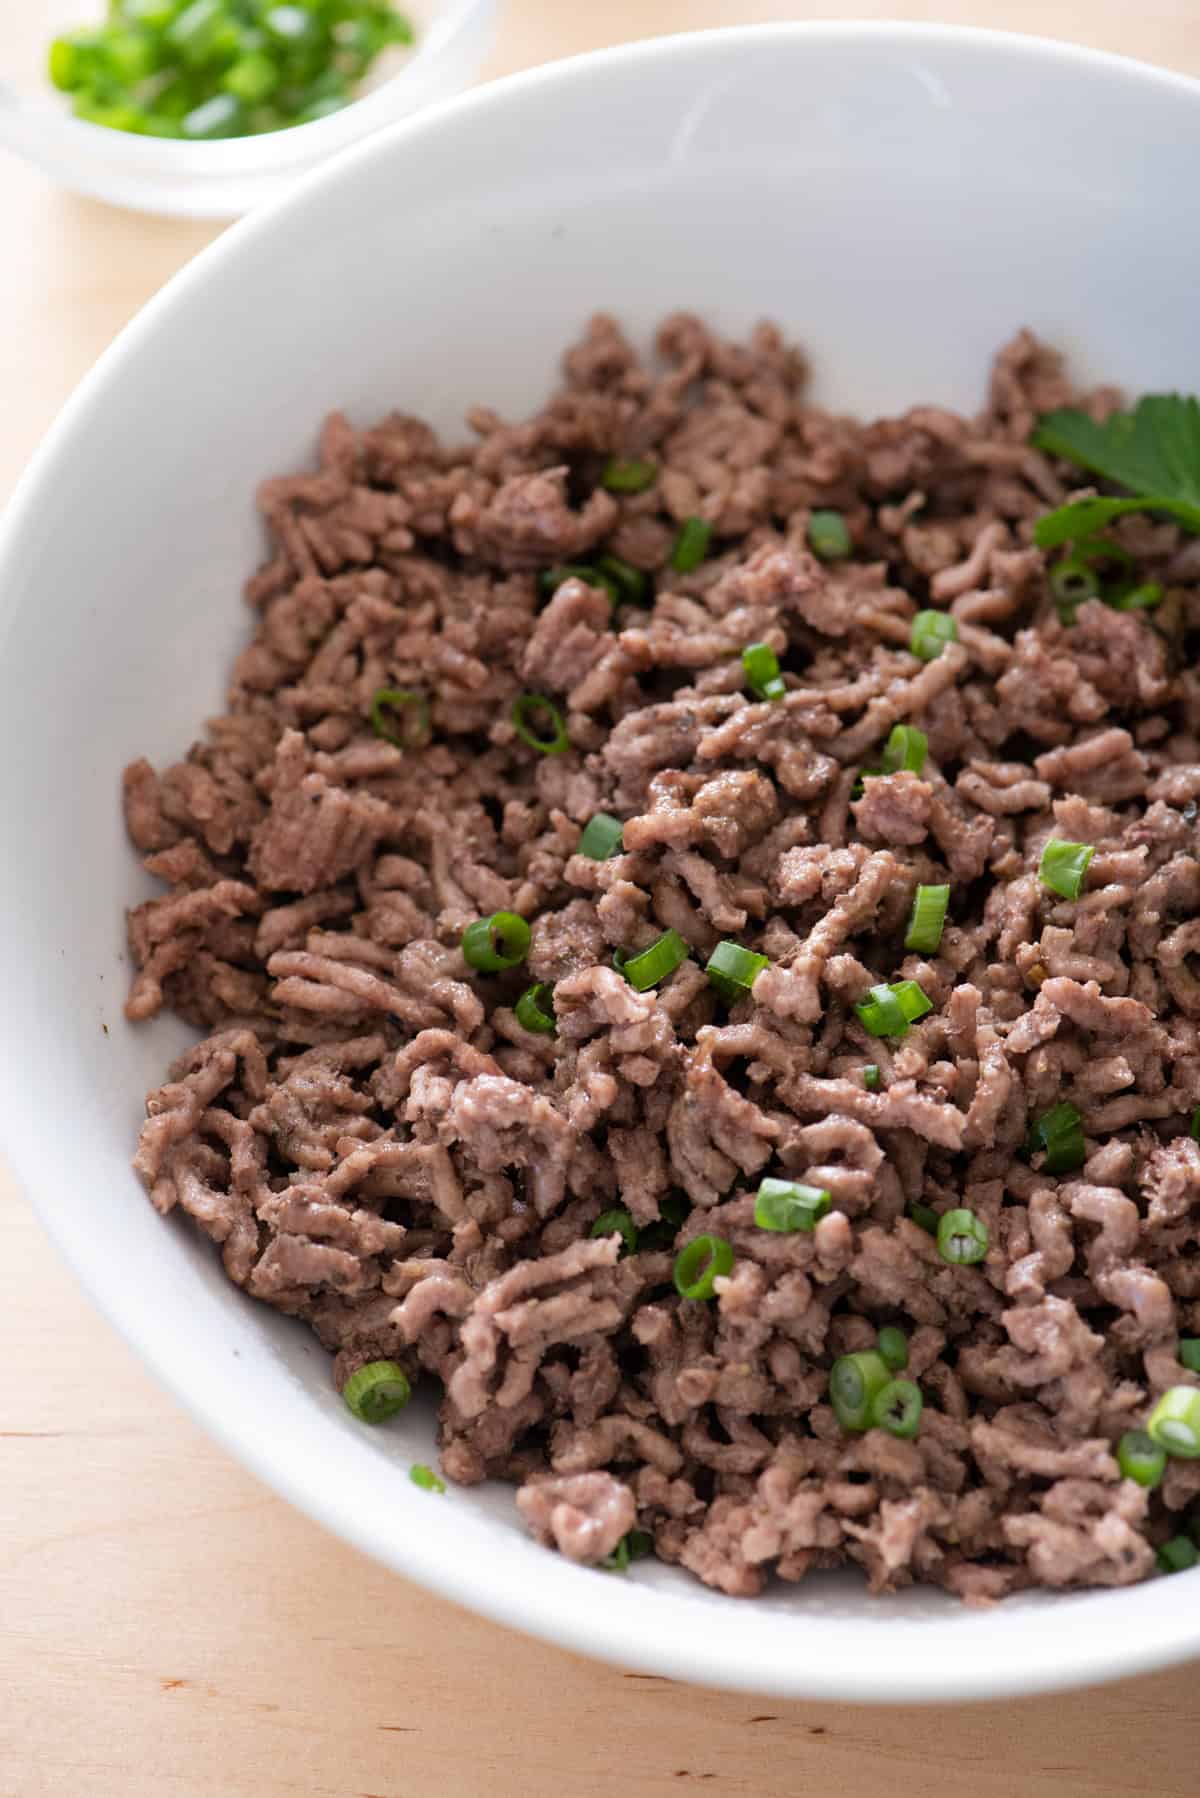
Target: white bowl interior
900	199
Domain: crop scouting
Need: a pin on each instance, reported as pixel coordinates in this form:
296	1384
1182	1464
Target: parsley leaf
1153	451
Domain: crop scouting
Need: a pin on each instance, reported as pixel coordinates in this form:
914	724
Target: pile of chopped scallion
202	69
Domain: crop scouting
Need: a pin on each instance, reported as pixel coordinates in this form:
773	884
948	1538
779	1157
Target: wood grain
170	1630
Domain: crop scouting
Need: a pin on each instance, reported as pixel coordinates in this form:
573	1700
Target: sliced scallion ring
1174	1422
931	631
855	1381
492	944
733	970
904	751
534	1010
1059	1133
787	1206
691	545
628	474
962	1237
828	537
1140	1458
928	919
617	1222
377	1391
601	837
400	703
654	964
700	1265
532	709
1064	865
897	1409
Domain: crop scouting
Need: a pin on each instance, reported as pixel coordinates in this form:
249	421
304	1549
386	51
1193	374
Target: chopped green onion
219	117
601	837
1060	1133
1063	866
524	713
925	1216
855	1381
618	1560
1174	1422
495	943
65	65
904	751
115	115
786	1206
962	1237
1071	582
897	1409
397	29
617	1223
1189	1353
828	536
633	1546
1177	1555
208	69
655	963
400	699
914	1002
880	1013
700	1265
1138	599
691	545
252	78
377	1391
1140	1458
291	26
761	666
630	582
928	919
733	970
194	33
130	56
870	1077
154	15
889	1010
893	1346
73	60
534	1011
628	475
931	631
551	579
760	663
425	1478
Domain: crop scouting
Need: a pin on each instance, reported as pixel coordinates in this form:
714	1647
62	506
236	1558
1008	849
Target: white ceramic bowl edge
899	198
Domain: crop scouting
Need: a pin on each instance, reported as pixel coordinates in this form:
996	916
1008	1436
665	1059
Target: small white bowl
900	198
222	179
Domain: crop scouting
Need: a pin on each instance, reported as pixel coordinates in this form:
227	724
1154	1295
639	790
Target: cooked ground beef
384	1151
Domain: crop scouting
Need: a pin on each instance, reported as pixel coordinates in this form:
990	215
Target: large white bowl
900	198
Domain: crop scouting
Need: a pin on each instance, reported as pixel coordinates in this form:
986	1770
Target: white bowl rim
622	1631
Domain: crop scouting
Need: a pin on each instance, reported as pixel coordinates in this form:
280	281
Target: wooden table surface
168	1629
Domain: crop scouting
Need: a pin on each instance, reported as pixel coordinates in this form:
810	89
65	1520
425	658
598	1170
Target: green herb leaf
1078	521
1154	451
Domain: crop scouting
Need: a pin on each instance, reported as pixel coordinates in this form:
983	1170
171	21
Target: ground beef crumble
381	1149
